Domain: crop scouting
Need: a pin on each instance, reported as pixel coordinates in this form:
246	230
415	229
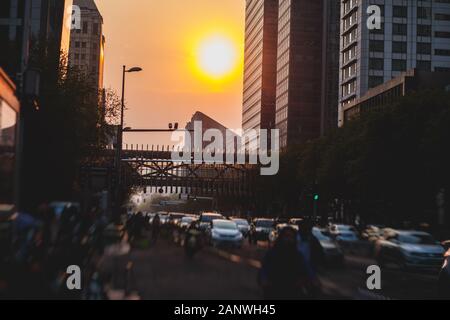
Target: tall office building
330	66
24	24
413	34
261	28
87	43
299	70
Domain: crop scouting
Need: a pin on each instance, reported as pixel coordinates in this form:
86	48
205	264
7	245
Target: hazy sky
163	37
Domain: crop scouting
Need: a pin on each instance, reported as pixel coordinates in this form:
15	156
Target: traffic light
316	197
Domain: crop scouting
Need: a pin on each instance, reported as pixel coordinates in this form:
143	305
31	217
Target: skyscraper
87	43
24	24
330	65
299	70
412	34
261	27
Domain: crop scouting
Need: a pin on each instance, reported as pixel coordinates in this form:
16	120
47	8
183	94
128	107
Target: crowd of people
44	244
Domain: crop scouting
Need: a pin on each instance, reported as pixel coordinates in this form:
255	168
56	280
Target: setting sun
217	56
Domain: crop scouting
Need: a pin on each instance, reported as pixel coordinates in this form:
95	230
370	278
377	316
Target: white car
243	226
409	249
225	233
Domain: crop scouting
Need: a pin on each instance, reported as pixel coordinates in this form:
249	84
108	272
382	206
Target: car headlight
239	236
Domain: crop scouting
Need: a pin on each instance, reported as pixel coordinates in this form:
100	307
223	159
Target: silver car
409	249
225	233
243	226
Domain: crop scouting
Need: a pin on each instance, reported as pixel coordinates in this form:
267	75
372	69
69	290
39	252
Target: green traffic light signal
316	197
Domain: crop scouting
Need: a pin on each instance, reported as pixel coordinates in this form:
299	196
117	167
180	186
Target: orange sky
161	36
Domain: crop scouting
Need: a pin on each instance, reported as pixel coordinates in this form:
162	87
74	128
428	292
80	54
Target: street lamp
120	134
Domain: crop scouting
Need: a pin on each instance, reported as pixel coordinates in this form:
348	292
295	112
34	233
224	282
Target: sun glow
217	57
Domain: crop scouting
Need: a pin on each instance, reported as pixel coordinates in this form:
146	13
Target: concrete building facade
412	34
87	44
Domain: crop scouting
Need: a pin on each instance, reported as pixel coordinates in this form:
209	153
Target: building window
77	44
400	29
423	30
423	13
400	12
375	81
423	48
376	64
85	27
399	47
83	57
398	65
442	52
95	29
77	56
376	45
423	65
83	44
442	34
442	17
441	69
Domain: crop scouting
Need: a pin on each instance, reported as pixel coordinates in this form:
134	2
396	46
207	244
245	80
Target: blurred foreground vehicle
261	229
243	226
330	252
185	222
409	249
225	233
444	275
206	218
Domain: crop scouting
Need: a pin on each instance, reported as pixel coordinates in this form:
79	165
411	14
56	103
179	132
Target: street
164	272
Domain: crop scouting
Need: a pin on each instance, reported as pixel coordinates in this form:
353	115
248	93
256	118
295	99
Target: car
206	218
243	226
409	249
444	274
261	229
295	221
185	222
336	229
330	251
273	235
174	217
225	233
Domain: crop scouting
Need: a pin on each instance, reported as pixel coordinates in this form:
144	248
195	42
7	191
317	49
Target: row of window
82	56
83	45
85	28
422	12
422	30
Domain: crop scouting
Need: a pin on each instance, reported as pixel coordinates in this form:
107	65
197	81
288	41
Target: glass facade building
299	70
260	64
24	23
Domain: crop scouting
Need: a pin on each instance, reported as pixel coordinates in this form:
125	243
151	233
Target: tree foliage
386	165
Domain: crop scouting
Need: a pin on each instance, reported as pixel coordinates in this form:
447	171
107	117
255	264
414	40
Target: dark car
261	229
